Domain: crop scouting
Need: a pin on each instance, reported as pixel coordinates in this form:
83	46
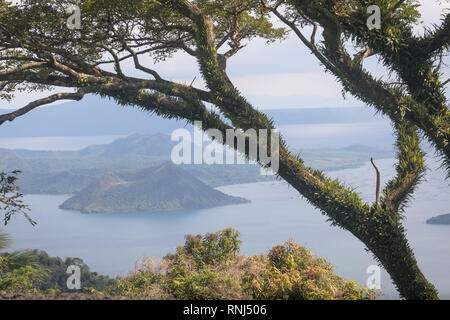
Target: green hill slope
162	188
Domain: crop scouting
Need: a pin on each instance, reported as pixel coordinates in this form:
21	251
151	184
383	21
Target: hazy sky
279	75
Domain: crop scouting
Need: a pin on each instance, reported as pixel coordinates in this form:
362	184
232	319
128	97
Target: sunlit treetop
143	24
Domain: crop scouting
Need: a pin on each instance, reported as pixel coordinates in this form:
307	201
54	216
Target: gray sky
279	75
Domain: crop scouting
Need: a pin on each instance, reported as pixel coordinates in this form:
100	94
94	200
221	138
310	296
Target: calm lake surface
113	243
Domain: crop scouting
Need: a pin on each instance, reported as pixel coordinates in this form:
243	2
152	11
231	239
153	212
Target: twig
377	193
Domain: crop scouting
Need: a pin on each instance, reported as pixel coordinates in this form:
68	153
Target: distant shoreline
443	219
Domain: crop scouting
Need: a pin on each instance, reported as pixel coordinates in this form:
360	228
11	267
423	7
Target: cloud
287	84
22	99
432	11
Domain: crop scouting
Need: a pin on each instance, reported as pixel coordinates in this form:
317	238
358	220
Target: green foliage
212	248
410	168
10	198
251	17
24	280
4	240
34	271
57	273
19	273
210	267
142	283
295	274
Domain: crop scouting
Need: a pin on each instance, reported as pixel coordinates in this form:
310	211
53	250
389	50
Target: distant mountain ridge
442	219
154	145
108	118
161	188
68	172
137	144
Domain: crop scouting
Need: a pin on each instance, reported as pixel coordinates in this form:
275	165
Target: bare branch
22	68
20	112
363	54
378	186
136	61
117	66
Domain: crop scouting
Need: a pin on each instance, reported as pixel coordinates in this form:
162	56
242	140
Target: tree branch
363	54
394	103
378	185
434	42
19	69
29	107
410	167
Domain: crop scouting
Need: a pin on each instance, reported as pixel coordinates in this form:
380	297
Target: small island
166	187
442	219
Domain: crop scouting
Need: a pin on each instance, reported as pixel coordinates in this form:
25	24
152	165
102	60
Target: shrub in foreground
210	267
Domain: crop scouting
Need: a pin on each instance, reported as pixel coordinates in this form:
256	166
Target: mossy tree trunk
379	229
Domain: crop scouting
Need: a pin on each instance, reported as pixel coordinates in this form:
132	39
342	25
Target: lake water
112	243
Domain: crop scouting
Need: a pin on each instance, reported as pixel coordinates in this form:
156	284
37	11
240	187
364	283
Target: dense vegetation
11	202
206	267
210	267
34	272
17	274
